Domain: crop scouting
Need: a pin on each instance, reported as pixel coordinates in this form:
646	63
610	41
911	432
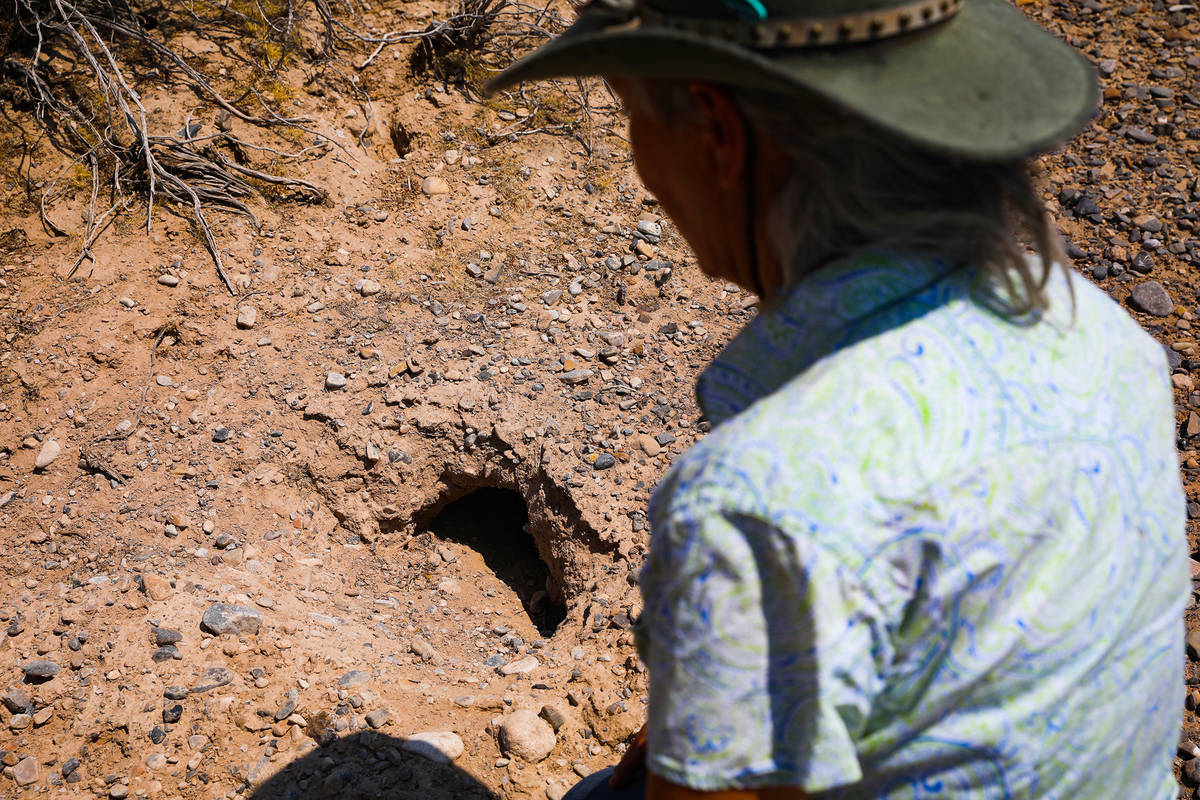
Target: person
934	543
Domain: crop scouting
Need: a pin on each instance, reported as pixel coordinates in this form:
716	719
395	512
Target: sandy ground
371	528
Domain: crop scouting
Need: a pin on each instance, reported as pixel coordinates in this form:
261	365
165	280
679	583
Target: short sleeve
762	655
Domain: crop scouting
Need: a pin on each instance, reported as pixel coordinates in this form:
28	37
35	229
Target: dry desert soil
370	525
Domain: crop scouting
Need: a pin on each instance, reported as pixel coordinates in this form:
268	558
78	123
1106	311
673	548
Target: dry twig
104	123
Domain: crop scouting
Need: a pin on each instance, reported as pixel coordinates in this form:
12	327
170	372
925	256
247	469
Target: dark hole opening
492	522
402	139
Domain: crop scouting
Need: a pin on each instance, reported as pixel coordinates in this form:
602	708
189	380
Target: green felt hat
972	78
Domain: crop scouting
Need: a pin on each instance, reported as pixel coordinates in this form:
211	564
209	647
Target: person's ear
723	130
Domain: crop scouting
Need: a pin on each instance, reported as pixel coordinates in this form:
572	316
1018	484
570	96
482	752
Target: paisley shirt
926	551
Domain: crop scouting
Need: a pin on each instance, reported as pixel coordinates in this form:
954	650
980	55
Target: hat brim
988	84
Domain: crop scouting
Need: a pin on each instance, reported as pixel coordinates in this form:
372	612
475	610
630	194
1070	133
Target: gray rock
1191	771
526	736
19	722
378	718
16	701
353	679
40	669
165	653
287	706
335	380
604	461
166	636
575	376
225	618
1140	135
1152	298
212	678
649	228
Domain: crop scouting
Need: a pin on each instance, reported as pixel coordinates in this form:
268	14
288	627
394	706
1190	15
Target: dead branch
107	127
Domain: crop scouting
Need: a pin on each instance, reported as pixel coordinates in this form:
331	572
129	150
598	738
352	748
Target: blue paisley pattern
926	552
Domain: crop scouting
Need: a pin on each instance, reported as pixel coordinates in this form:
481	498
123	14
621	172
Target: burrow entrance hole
493	522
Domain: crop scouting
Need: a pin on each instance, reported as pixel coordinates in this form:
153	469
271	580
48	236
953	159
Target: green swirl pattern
926	552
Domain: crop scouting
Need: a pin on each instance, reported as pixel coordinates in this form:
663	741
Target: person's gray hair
855	187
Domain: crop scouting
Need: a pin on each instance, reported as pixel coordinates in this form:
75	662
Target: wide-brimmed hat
972	78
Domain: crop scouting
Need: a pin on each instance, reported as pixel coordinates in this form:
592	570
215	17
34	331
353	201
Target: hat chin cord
750	204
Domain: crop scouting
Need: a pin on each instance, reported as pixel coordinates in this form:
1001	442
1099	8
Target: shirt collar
833	307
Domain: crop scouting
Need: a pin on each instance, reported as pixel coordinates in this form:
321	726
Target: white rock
438	746
50	450
527	736
522	666
335	380
247	317
168	280
368	287
435	185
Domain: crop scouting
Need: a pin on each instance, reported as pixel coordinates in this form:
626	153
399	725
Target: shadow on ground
367	765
